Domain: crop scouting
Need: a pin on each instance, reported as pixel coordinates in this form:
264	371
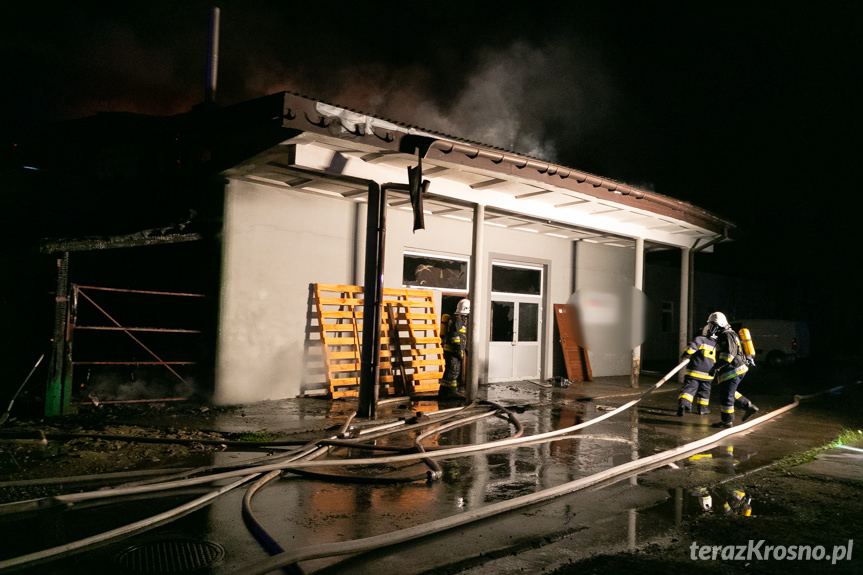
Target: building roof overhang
335	151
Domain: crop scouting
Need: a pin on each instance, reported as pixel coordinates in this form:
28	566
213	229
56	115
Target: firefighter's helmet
463	307
718	318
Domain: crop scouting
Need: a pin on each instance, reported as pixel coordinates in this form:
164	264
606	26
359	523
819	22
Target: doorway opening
515	316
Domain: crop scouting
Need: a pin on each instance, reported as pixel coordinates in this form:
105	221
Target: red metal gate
89	301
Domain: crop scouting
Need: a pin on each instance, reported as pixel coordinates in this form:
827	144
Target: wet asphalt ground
298	511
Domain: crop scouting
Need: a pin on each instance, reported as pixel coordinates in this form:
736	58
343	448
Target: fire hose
103	538
100	539
616	473
442	453
388	539
287	558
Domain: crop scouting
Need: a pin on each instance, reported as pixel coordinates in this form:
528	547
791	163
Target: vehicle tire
776	359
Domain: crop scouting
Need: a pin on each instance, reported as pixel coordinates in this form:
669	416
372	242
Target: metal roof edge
336	121
521	162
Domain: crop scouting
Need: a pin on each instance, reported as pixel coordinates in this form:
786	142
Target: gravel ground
98	443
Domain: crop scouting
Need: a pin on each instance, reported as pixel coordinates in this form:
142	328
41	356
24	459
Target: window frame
440	257
538	267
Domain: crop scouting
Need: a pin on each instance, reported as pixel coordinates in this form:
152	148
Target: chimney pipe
213	57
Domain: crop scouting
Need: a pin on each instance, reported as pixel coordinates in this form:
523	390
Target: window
434	272
502	320
528	321
516	279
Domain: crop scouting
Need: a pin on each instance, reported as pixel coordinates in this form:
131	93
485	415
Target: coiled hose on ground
284	559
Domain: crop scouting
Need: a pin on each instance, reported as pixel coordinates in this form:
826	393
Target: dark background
749	110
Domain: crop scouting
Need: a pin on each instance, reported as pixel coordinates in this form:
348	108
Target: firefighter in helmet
454	337
732	363
697	379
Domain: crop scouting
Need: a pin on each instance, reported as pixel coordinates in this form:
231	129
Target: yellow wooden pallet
419	333
419	360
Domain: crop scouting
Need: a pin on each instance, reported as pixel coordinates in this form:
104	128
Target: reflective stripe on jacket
730	356
455	338
702	355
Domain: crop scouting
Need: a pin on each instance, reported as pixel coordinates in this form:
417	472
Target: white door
515	323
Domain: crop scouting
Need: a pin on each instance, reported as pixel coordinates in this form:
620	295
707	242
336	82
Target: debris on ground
558	381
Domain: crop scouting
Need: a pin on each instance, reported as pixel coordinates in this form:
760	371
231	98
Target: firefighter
454	337
731	367
701	353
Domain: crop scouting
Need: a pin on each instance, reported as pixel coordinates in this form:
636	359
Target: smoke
540	97
526	98
541	100
137	384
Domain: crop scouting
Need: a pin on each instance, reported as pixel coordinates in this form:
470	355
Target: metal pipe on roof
213	57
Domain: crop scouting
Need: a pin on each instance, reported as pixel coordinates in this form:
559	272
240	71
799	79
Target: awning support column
476	351
638	312
683	313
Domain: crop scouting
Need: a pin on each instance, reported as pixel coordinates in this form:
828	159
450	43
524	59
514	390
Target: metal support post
68	365
372	297
683	320
376	233
54	396
637	312
476	355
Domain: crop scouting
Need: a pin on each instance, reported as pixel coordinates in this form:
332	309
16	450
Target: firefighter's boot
684	404
750	411
727	417
449	390
742	402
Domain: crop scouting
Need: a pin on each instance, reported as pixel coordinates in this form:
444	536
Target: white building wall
441	236
278	241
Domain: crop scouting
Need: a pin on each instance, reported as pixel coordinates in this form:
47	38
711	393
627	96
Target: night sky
747	109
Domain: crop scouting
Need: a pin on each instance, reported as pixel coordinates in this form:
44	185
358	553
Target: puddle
723	459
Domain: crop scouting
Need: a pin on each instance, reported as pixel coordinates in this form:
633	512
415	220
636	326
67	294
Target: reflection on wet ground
353	503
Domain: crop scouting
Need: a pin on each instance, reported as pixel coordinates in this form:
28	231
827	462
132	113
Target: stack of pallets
411	356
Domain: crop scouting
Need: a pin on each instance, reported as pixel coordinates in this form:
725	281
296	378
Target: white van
777	342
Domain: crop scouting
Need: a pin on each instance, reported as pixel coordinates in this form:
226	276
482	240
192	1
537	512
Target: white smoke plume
532	99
